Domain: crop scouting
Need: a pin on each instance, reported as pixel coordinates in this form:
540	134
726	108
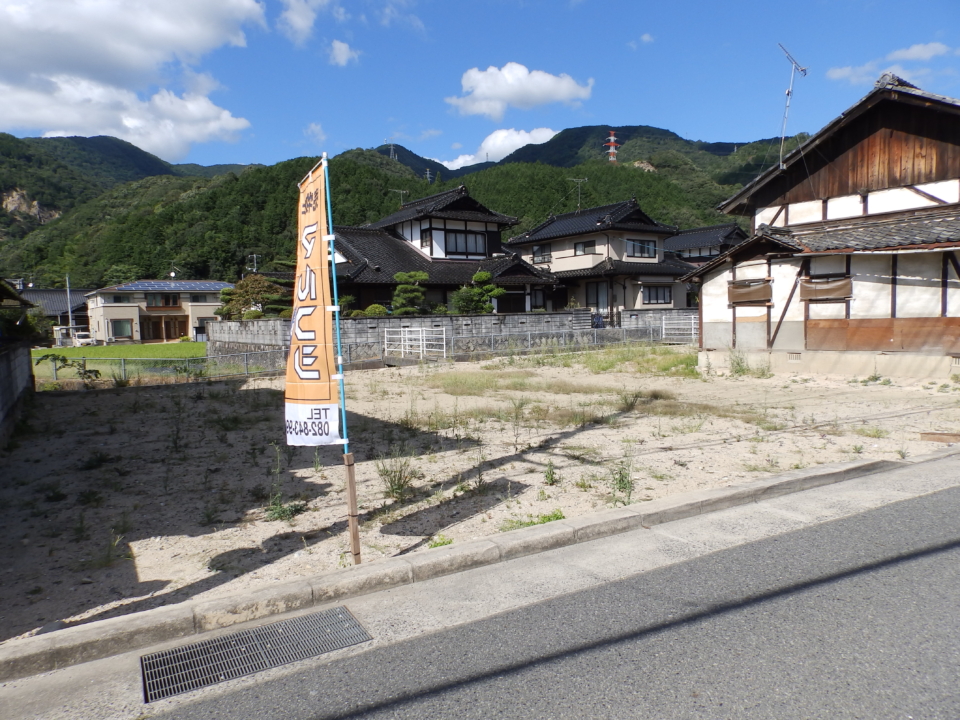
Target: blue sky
223	81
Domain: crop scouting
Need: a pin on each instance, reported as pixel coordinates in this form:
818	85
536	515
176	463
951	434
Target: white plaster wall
918	285
415	233
455	225
752	270
439	244
828	264
765	215
947	190
713	297
477	226
746	313
805	212
827	311
953	294
871	286
894	200
784	278
844	207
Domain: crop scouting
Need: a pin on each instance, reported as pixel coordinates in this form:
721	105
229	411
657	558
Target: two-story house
449	236
608	258
852	267
153	310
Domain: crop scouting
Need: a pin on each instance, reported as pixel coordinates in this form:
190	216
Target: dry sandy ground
121	500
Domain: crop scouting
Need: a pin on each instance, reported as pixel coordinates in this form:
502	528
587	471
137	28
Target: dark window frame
542	253
657	294
467	235
647	248
585	247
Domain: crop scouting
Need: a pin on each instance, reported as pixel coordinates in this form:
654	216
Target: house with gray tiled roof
153	310
699	245
449	236
609	258
852	266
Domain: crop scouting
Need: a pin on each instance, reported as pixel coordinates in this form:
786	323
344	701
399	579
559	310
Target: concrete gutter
104	638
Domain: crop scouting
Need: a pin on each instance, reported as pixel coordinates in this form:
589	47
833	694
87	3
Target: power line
402	193
579	182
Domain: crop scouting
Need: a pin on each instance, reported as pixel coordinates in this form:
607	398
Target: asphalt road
855	618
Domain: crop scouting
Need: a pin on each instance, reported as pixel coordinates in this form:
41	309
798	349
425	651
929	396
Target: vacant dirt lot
121	500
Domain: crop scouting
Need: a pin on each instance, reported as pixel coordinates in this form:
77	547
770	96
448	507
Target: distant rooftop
169	286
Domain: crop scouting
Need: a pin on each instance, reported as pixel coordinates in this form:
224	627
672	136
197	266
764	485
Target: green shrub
286	314
375	310
252	315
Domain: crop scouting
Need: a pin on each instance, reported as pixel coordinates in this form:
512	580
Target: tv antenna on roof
579	182
795	68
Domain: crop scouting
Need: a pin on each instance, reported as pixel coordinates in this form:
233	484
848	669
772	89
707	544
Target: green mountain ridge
208	226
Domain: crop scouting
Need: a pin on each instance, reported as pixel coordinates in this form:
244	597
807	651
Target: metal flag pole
353	513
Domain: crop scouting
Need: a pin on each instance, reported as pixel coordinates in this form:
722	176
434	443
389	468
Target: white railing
680	330
415	342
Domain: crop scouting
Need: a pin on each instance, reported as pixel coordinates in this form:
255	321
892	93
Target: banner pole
353	520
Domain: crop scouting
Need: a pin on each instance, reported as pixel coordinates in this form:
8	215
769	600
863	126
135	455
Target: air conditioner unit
111	340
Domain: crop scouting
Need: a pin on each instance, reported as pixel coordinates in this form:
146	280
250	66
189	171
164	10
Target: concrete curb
104	638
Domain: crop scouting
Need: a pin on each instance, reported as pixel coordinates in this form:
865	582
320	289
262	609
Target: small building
59	304
701	245
153	310
852	265
449	236
608	258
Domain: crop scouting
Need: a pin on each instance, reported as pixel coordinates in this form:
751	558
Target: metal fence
150	371
680	330
421	343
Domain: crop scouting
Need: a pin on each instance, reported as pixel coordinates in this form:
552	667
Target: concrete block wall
16	382
653	318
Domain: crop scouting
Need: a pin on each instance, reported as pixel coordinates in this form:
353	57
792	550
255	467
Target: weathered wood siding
890	145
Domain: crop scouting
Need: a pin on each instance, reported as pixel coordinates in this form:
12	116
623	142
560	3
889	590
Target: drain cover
172	672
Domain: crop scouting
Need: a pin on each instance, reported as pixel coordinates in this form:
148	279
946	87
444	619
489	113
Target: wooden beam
893	286
928	196
944	278
847	302
733	309
786	307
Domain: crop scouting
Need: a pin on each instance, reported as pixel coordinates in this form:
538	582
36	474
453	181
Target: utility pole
579	182
428	175
794	69
402	193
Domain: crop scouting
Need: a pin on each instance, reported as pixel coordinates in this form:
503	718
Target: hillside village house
609	258
153	310
701	245
450	236
852	267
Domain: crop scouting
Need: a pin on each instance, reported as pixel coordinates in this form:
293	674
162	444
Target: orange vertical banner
312	397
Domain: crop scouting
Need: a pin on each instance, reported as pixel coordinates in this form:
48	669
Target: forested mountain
41	178
208	226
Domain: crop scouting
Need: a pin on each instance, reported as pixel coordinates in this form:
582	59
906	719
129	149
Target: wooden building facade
856	243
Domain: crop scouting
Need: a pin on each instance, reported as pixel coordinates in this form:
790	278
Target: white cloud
855	75
394	11
81	68
298	16
315	132
456	146
166	124
341	53
489	92
647	38
871	71
430	133
498	144
922	51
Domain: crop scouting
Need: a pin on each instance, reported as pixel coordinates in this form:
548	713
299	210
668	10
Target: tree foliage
408	297
251	293
476	297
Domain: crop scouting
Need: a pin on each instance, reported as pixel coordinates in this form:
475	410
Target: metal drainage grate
172	672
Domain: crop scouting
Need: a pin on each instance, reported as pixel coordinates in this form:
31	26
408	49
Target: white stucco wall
871	286
918	285
805	212
844	207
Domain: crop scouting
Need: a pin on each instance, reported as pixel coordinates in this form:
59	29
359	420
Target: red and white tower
612	146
